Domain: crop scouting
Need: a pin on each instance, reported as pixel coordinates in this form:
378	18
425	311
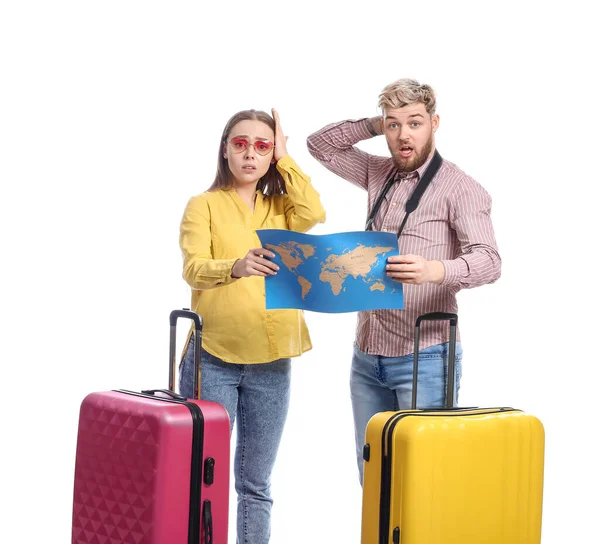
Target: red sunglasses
262	147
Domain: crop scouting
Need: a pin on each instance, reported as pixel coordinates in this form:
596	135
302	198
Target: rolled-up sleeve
333	146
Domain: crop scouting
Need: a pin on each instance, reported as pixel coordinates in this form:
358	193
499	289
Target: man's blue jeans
258	394
381	384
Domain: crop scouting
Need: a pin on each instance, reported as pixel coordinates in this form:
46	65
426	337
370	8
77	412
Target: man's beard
417	159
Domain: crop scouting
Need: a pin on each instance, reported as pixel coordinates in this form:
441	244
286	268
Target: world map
341	272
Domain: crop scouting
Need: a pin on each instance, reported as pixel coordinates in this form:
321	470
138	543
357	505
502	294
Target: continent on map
307	249
378	286
292	253
306	285
334	279
355	263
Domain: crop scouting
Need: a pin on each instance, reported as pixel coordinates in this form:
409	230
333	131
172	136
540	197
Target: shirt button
374	315
394	203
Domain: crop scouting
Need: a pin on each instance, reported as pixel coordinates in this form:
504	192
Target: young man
447	244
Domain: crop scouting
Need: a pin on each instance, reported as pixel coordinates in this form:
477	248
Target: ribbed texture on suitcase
462	478
114	476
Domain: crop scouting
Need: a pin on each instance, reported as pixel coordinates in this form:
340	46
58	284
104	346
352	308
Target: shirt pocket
276	222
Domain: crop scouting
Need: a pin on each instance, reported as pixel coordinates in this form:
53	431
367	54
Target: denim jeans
258	396
381	384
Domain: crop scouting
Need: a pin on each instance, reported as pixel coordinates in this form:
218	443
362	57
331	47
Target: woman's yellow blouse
217	229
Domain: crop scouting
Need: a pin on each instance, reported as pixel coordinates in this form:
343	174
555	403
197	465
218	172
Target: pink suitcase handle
186	313
166	392
437	316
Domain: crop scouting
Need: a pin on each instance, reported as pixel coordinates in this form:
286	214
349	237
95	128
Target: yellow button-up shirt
217	229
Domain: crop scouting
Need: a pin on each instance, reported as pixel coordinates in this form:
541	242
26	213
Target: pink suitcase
152	467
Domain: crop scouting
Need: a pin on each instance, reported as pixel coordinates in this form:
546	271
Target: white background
110	115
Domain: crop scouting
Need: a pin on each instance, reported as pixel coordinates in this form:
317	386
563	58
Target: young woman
246	349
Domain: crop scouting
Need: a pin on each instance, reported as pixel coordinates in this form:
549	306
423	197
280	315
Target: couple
447	244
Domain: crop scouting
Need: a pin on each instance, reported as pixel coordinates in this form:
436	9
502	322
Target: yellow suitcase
452	475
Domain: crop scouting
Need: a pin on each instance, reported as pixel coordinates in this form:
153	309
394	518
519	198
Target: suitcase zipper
197	452
196	473
386	464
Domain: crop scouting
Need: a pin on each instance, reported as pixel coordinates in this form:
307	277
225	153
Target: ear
435	122
273	161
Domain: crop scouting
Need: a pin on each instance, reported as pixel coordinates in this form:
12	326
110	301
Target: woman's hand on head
280	138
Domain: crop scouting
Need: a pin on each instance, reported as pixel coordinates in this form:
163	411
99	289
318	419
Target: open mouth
406	151
248	168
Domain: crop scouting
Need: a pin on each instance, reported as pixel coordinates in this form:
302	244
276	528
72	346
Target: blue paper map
342	272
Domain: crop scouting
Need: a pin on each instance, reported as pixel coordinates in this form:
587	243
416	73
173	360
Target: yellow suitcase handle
437	316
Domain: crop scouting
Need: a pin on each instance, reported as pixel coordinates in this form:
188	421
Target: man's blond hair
405	92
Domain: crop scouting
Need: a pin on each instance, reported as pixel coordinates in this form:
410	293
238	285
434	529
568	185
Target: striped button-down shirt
452	224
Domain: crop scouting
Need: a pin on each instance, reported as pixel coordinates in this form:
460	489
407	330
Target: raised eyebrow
248	137
391	117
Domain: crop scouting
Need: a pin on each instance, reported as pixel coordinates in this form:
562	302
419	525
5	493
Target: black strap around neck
413	201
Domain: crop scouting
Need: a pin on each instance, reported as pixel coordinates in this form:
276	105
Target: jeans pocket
436	351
